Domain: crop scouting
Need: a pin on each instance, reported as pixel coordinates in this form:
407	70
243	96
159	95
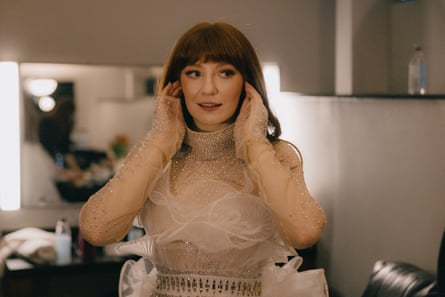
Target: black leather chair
398	279
441	268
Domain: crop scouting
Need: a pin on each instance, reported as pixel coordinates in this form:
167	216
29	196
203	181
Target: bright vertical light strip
10	133
271	72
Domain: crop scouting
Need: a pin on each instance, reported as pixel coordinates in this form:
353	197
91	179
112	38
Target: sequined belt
195	285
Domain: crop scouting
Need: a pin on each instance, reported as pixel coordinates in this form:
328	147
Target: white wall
361	40
423	23
297	34
370	46
377	168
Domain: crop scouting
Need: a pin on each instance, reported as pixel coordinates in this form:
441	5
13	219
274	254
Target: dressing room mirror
78	122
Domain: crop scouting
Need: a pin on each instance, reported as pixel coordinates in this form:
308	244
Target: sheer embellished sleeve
108	215
278	171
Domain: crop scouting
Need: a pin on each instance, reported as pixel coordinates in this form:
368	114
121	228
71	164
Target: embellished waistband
192	285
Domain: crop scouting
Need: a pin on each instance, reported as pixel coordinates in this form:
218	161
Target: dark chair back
398	279
441	267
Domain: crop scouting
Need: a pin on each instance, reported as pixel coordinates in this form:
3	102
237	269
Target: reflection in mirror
79	121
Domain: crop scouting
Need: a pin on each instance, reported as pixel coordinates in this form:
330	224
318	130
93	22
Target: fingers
168	103
252	95
176	89
172	89
250	91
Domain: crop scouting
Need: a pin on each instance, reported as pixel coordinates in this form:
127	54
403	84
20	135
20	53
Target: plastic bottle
417	72
63	242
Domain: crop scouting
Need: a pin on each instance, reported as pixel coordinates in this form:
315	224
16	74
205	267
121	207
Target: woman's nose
209	86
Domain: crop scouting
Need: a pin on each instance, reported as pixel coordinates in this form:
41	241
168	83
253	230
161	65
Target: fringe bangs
211	45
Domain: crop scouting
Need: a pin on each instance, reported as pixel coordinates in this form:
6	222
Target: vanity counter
98	278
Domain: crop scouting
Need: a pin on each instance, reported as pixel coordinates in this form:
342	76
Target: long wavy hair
218	42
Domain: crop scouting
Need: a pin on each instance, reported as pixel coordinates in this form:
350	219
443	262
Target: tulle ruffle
213	218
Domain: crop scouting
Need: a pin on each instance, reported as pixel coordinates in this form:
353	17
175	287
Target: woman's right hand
168	121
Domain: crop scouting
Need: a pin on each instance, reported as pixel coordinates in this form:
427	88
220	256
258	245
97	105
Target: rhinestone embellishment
193	285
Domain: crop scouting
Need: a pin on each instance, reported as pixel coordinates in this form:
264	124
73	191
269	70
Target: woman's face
212	93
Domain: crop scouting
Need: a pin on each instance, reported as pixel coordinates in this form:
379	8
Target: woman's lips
209	106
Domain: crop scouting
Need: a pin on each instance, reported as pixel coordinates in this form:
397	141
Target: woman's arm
108	215
278	172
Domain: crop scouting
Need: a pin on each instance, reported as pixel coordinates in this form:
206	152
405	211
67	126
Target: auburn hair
218	42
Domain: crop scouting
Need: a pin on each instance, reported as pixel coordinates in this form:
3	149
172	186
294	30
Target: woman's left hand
251	123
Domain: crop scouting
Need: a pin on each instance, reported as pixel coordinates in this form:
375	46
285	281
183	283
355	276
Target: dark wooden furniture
98	278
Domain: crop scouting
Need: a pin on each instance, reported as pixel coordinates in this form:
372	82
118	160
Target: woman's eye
227	73
193	73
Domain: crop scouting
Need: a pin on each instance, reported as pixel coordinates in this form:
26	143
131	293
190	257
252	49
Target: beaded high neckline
210	145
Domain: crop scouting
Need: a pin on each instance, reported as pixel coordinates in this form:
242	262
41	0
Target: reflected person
55	130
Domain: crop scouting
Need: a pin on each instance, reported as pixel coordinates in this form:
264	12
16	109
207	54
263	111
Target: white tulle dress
208	233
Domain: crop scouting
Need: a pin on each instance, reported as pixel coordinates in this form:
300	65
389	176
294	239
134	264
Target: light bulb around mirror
46	103
40	87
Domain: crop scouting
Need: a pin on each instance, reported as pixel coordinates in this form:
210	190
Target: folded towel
33	243
37	250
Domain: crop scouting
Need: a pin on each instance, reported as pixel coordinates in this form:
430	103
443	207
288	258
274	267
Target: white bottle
63	242
417	72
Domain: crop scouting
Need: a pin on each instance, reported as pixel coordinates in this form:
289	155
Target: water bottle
63	242
417	72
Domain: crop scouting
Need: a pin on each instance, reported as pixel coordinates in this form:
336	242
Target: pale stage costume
209	228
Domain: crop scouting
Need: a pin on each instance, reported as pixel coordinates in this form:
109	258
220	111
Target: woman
220	196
